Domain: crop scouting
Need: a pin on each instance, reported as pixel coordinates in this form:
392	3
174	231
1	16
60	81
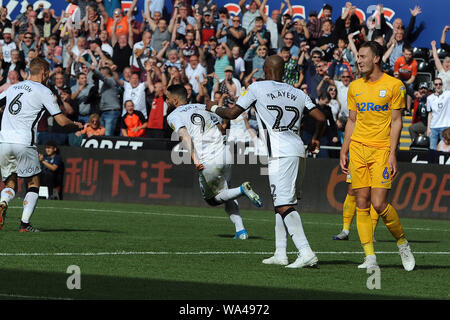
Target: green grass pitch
131	251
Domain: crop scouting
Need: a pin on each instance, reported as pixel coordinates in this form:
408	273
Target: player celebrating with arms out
279	109
201	135
372	133
24	103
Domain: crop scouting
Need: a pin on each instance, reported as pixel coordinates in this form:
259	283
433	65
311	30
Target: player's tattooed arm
189	145
225	113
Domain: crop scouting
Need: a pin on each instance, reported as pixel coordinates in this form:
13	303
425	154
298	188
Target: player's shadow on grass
230	236
17	283
337	262
411	241
79	230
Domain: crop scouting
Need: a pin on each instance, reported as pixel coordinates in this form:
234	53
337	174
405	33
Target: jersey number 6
15	106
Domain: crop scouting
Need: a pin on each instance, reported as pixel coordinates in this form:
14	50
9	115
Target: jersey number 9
198	120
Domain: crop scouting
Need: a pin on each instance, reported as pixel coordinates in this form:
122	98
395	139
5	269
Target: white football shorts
285	178
20	159
213	179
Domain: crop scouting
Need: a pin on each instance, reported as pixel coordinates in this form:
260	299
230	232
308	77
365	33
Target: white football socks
294	226
280	236
7	195
228	194
29	203
232	208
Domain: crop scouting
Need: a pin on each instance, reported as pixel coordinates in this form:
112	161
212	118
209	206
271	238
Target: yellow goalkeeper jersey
373	103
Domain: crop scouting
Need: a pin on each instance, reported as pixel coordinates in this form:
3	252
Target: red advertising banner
150	176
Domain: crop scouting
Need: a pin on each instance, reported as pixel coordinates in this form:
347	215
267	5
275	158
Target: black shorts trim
213	202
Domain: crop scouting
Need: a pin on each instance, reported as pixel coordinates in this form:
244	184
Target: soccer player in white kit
279	109
200	134
24	103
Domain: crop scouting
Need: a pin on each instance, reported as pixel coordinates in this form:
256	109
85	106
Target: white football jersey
137	95
25	103
439	106
202	127
279	107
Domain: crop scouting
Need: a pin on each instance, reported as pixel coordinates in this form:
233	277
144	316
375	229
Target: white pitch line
155	213
12	295
119	253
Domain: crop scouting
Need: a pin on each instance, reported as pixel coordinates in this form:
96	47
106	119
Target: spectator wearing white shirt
239	63
142	51
271	23
342	90
438	106
155	6
8	45
135	91
78	51
106	47
194	71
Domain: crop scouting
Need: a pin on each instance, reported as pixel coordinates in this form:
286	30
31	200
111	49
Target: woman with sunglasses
257	60
334	103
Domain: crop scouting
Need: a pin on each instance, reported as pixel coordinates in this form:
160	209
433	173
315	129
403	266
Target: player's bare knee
11	182
379	206
33	182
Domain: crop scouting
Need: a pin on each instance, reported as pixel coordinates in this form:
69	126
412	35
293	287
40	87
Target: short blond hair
37	65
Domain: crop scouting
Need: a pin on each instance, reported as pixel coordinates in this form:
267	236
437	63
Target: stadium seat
423	53
424	77
442	53
424	66
420	143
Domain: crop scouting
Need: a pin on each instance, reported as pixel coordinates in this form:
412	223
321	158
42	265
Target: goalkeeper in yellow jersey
375	104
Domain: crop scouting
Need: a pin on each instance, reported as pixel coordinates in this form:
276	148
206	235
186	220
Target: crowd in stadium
110	69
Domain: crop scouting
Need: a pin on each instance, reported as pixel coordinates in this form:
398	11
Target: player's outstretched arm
68	124
347	138
225	113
